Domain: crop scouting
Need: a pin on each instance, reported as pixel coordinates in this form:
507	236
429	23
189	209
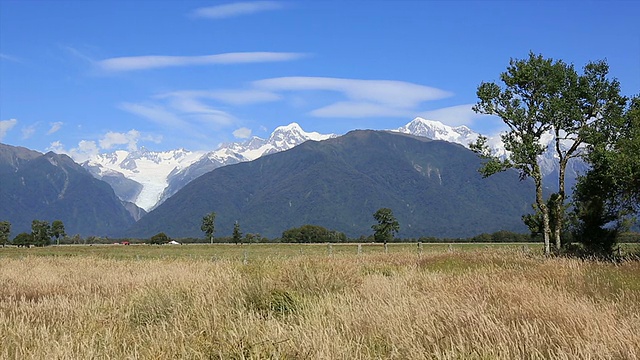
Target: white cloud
454	115
155	113
5	126
28	131
112	139
366	98
159	61
57	147
235	9
242	133
85	150
353	109
55	127
386	92
233	97
192	108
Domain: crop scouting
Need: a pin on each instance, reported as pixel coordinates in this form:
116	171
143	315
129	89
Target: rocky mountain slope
53	187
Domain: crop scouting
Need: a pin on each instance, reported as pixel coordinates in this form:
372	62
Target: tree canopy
209	225
387	225
541	96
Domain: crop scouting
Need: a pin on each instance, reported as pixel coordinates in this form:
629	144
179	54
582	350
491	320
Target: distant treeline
336	237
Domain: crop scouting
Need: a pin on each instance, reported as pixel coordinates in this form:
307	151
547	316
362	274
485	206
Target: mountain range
432	186
148	178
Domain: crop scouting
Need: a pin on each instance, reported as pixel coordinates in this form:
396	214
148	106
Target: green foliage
312	234
159	239
535	224
387	225
539	96
237	234
528	104
5	231
57	230
41	232
608	195
209	225
23	239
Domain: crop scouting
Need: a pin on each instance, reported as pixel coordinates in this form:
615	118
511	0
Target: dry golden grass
481	304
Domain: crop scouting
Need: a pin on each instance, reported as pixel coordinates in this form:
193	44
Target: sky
97	76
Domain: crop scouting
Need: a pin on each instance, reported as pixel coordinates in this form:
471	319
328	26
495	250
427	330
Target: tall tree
237	234
209	225
586	106
525	106
387	225
5	231
57	230
609	193
41	232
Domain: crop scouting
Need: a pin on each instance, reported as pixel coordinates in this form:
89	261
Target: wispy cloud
156	113
5	126
233	97
9	58
354	109
181	113
242	133
236	9
55	126
366	98
159	61
454	115
28	131
194	109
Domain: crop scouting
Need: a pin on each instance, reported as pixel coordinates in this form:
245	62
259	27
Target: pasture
314	301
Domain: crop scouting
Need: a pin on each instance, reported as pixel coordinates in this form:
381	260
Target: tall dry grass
492	304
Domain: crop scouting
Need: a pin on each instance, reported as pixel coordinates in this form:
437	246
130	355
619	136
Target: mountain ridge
53	187
149	178
432	186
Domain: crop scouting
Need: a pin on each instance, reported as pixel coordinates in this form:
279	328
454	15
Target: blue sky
104	75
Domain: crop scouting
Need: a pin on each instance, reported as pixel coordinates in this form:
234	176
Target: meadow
315	302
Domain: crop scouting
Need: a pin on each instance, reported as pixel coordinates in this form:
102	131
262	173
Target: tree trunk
559	204
537	178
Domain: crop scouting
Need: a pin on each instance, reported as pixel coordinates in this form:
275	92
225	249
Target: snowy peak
438	131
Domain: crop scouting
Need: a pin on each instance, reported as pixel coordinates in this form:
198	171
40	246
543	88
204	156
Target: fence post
450	248
245	260
420	247
330	249
386	248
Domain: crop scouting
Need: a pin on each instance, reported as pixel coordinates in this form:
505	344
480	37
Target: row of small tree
387	225
41	233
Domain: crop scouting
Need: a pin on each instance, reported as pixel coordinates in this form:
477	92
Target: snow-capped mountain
464	136
281	139
438	131
147	178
